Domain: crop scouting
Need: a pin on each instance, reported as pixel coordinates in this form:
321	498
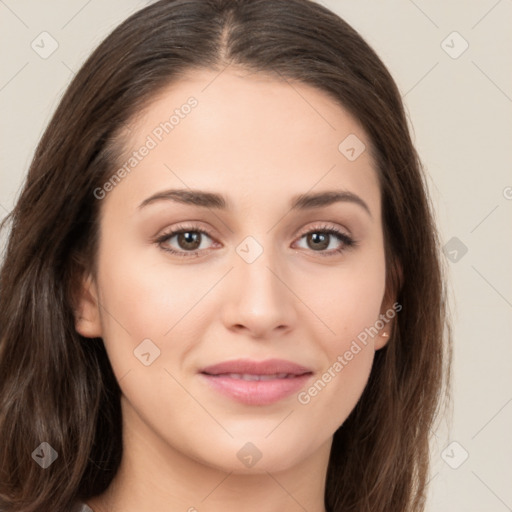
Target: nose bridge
261	301
258	264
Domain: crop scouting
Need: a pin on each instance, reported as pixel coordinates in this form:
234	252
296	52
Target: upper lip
266	367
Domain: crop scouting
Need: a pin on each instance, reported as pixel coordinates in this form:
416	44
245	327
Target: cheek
348	352
141	300
147	294
347	300
330	399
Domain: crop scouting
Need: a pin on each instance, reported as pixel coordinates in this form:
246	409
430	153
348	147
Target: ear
87	313
381	340
390	307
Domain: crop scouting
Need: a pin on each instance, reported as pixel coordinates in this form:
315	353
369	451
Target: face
247	335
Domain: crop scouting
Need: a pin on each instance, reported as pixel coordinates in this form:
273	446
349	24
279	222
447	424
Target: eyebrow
219	202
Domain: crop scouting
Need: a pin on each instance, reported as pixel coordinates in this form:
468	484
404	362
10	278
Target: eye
320	239
188	240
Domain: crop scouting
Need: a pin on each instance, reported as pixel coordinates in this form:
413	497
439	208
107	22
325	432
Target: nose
261	299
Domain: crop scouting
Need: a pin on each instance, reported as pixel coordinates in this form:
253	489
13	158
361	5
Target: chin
257	455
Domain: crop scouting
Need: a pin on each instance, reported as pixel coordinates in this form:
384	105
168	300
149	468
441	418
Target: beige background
460	107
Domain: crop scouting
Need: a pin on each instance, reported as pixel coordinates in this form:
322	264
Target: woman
222	285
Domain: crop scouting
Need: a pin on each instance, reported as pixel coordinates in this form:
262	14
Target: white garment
81	507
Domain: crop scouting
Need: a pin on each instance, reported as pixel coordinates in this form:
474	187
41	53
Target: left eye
189	240
321	238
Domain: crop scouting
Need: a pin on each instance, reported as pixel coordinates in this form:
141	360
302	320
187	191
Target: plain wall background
459	105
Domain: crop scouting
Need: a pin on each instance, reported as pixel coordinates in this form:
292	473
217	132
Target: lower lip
256	392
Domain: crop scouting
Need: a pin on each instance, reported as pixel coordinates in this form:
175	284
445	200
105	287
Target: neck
155	476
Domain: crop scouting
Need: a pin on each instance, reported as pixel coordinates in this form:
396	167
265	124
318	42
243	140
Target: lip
266	367
226	378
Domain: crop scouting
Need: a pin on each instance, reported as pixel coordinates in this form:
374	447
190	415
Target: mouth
253	377
256	382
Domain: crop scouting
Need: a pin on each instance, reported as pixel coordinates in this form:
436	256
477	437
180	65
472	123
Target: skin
258	141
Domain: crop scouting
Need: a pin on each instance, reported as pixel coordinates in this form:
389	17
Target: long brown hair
57	387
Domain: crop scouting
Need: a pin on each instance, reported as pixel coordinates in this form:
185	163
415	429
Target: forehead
246	133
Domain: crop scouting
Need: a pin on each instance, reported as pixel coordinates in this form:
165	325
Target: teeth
247	376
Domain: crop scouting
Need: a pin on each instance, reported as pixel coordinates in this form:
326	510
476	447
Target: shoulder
81	507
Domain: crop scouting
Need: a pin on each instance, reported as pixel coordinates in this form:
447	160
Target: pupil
189	238
320	237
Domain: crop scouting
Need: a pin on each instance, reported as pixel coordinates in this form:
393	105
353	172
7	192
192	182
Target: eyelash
348	242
